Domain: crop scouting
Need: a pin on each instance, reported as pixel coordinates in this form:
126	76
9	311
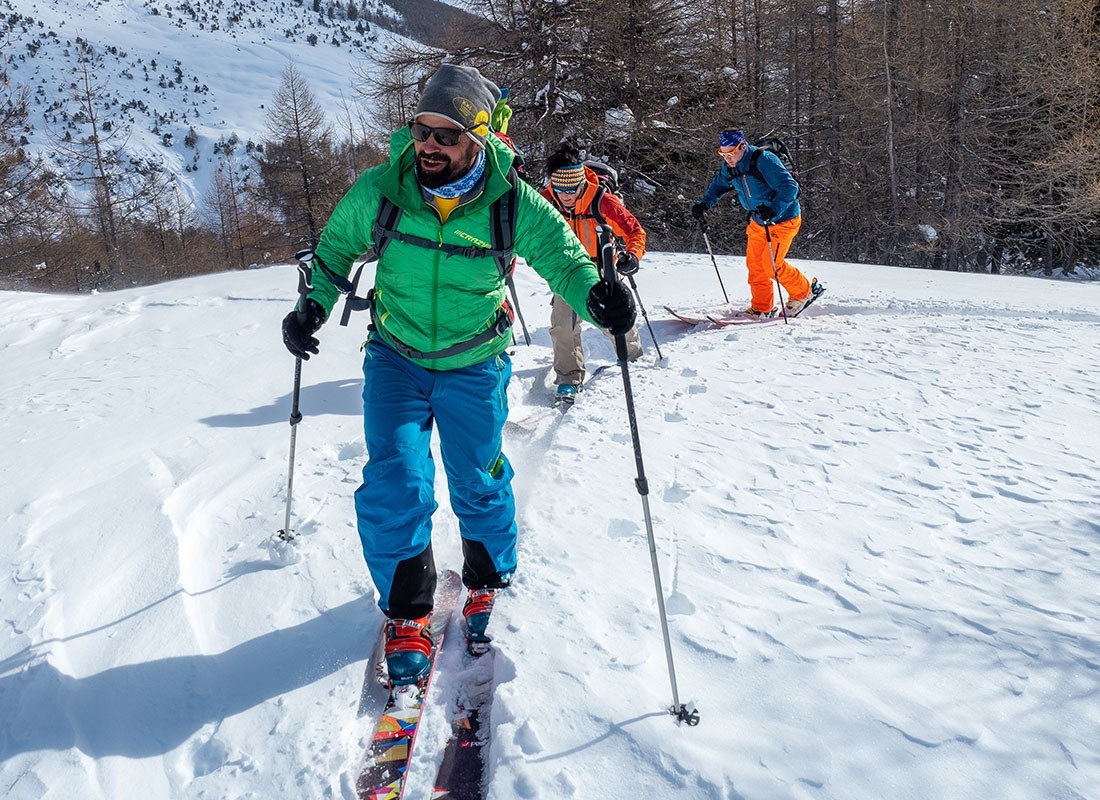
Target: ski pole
606	261
305	284
515	305
775	271
645	316
706	240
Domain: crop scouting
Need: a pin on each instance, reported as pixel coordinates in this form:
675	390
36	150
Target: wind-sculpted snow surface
877	529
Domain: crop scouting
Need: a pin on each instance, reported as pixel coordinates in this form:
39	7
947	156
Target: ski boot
566	395
408	650
479	604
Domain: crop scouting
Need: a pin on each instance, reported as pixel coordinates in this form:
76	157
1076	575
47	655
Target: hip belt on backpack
501	324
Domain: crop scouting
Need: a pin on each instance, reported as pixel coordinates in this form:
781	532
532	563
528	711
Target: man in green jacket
436	351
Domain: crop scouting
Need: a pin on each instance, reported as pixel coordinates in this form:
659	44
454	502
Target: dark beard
452	172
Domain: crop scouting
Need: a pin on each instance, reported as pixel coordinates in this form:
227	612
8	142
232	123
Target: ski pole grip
305	280
605	258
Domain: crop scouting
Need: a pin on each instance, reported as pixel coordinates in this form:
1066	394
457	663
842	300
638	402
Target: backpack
502	223
777	146
519	159
503	226
607	180
607	176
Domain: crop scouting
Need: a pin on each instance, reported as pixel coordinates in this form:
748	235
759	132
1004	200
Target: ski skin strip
371	680
722	323
462	772
387	760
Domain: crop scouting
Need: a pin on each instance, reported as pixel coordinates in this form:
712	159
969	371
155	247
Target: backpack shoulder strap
385	225
593	211
503	226
385	230
755	170
503	216
594	206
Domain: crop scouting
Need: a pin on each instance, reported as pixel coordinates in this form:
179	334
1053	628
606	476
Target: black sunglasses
447	137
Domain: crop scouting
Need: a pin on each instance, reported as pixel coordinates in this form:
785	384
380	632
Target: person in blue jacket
770	194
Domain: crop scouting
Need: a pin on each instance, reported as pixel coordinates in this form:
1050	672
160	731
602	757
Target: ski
387	760
540	420
738	318
461	774
741	318
564	402
686	319
725	323
597	372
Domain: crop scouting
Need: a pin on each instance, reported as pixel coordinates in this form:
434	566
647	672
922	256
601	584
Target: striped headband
567	179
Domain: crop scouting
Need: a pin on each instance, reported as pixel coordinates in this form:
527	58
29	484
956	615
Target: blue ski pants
402	403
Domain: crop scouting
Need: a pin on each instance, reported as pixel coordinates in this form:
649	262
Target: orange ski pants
761	277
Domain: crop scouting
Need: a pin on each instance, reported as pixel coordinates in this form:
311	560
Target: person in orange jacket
575	191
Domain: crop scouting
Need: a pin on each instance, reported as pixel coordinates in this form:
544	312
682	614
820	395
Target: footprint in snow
623	529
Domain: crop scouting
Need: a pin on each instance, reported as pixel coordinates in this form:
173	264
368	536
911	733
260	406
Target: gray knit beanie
461	95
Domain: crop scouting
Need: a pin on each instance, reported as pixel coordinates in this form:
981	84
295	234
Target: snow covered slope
877	526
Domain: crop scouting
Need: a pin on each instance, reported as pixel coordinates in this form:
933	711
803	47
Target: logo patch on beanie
466	109
476	120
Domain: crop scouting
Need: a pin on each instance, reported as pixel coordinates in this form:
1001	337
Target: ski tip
684	319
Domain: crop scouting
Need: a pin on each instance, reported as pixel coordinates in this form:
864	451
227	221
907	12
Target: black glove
612	307
627	263
765	212
698	210
298	334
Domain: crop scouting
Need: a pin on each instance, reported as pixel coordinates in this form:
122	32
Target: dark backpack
503	224
502	221
607	179
606	175
779	147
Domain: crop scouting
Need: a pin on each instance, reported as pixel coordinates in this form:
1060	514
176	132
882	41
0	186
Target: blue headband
730	138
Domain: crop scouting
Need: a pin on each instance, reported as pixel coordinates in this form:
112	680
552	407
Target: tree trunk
833	137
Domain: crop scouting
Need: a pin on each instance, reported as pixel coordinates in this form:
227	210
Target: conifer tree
300	171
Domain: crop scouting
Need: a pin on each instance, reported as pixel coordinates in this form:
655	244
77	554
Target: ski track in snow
875	526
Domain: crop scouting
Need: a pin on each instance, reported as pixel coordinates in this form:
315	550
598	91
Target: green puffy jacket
425	298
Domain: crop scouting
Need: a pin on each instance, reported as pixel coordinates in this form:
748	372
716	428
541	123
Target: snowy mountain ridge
174	79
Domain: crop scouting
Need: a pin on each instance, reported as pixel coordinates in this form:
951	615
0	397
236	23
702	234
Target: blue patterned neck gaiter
464	184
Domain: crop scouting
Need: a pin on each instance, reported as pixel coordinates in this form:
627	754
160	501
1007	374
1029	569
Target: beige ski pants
565	333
